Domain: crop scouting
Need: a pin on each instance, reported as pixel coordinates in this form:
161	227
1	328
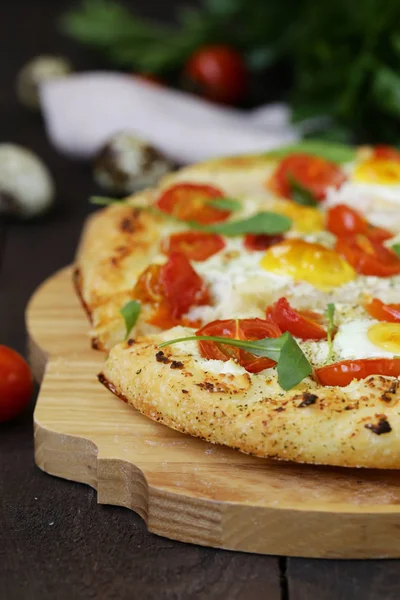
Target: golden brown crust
356	426
117	244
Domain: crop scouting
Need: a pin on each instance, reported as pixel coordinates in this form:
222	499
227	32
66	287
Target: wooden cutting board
184	488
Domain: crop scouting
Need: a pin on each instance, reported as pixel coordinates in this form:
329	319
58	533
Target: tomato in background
218	73
16	384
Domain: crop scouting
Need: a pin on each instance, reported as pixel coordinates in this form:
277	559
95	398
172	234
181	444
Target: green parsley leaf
299	193
104	201
330	315
292	365
130	313
268	223
396	248
225	204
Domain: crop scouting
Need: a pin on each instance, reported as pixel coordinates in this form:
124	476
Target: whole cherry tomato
16	383
217	73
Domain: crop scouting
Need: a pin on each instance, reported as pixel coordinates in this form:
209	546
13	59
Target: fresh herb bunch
343	57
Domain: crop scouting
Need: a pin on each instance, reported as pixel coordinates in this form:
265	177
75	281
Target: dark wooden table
55	541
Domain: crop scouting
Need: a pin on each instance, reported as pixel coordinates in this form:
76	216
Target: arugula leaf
292	365
396	248
130	313
330	315
299	193
269	223
104	201
225	204
338	153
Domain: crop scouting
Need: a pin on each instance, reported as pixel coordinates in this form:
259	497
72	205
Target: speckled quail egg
26	186
35	72
127	164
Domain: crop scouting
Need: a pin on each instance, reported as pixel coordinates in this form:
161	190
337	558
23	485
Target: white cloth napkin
83	111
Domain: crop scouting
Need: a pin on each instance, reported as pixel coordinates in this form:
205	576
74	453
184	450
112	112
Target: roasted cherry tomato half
217	73
16	383
195	245
367	256
172	289
311	172
304	324
192	202
342	373
261	241
386	152
341	220
383	312
239	329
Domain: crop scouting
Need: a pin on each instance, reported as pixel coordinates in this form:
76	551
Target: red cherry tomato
261	241
386	152
343	373
367	256
217	73
16	384
239	329
341	220
191	202
183	286
171	289
195	245
313	173
302	324
383	312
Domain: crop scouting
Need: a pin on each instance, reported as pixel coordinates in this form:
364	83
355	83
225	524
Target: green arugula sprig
396	249
330	315
292	365
105	201
225	203
299	193
268	223
130	313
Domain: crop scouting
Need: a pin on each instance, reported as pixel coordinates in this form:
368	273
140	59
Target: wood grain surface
184	488
56	541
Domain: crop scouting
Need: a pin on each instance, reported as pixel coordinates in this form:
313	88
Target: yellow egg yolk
306	219
303	261
379	171
385	336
